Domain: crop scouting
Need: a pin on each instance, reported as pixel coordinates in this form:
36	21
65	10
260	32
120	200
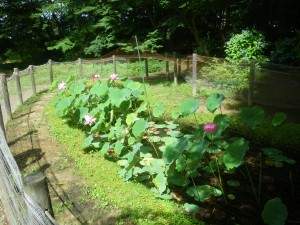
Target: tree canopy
35	30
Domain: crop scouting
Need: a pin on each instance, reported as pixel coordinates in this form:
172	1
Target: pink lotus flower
114	77
89	120
62	85
210	127
95	76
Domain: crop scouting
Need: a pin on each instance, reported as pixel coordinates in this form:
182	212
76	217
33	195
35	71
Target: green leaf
174	150
105	148
139	128
158	110
77	88
191	208
214	101
200	193
164	196
230	196
62	106
278	118
133	85
88	141
174	133
160	181
233	183
189	106
195	153
99	89
178	180
83	111
234	153
175	115
274	212
222	122
252	116
118	147
54	85
168	140
117	96
180	164
155	138
131	118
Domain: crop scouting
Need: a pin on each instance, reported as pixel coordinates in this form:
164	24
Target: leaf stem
252	185
292	183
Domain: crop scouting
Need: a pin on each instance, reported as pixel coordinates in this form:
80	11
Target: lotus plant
89	120
95	77
210	127
114	77
62	85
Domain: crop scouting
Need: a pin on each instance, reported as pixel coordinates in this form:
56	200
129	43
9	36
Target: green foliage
214	102
234	153
227	76
135	200
191	208
278	118
276	157
252	116
203	192
287	50
152	152
274	212
63	45
249	44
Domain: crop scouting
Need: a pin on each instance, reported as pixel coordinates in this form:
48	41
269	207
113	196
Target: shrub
287	51
249	44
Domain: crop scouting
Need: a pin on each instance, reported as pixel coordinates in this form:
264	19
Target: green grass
134	199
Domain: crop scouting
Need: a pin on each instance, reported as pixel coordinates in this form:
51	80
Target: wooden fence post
6	96
194	74
146	68
32	80
36	187
50	71
175	68
251	82
2	126
80	67
167	67
179	67
115	65
18	84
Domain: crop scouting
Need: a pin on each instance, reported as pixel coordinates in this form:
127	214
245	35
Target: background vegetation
33	31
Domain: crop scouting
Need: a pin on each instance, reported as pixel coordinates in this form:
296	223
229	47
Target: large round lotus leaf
214	101
278	118
252	116
189	106
139	127
274	212
191	208
200	193
234	153
99	89
174	150
158	110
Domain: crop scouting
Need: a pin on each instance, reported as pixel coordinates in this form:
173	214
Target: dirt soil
35	150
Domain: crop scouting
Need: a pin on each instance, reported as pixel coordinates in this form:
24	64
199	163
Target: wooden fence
179	68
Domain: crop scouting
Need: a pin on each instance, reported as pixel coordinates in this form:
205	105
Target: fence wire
20	208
